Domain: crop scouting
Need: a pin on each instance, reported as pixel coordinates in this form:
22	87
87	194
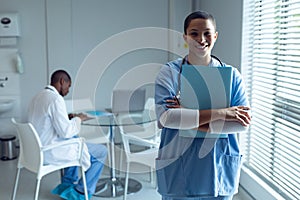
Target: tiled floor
27	184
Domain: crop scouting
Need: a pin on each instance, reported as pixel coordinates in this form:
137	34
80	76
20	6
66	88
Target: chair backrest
131	135
150	104
145	130
30	156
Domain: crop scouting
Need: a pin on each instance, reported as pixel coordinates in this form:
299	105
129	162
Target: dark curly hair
198	14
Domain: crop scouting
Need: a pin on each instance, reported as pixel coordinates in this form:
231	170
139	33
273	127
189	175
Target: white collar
50	87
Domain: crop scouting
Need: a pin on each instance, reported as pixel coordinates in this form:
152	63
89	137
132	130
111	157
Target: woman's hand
240	114
173	103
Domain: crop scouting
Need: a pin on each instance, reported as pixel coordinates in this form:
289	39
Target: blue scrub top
196	167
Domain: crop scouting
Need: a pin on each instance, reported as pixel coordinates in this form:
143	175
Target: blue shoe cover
71	194
60	188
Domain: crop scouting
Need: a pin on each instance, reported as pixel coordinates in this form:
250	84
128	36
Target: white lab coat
47	113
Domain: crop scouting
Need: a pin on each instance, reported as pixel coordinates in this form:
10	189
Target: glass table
114	186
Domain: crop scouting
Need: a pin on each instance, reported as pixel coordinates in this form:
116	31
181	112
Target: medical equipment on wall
19	63
9	25
9	34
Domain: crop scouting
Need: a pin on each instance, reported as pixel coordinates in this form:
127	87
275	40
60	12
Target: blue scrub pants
98	154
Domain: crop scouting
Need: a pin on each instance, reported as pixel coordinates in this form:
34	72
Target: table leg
113	186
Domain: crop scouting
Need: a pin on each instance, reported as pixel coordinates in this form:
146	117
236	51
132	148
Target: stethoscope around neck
184	61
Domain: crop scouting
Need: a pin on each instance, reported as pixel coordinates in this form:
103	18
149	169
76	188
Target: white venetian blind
271	69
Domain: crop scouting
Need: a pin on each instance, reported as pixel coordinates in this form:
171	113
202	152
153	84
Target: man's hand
82	116
71	115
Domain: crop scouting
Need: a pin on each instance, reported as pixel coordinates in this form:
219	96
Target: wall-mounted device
9	25
19	63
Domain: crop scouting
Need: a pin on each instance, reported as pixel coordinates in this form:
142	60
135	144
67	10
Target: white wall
228	15
31	46
86	24
60	34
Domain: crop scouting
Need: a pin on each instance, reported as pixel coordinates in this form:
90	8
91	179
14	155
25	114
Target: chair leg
84	184
153	181
121	158
126	182
16	184
38	182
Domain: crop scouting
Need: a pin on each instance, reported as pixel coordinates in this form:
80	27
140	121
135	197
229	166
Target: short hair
57	75
201	15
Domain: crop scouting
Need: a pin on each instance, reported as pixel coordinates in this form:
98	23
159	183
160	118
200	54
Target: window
271	69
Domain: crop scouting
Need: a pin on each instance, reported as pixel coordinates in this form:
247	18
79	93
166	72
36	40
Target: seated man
48	114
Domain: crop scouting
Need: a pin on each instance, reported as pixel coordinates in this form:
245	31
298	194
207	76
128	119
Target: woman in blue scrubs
197	168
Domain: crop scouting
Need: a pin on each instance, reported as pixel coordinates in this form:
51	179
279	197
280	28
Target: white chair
31	156
148	131
150	107
147	155
150	104
91	134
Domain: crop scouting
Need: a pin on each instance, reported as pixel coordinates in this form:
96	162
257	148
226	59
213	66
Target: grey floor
27	183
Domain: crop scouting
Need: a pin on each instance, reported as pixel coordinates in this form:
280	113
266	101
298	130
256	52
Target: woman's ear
186	42
216	35
184	37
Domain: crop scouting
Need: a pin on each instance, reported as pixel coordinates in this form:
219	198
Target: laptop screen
128	100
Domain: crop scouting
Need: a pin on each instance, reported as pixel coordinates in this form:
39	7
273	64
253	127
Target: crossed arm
225	120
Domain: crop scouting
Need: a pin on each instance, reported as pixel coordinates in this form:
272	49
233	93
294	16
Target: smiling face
200	36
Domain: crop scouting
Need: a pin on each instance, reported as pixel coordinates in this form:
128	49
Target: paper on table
97	113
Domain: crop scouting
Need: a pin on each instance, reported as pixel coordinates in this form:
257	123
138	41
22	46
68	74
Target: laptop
128	101
205	88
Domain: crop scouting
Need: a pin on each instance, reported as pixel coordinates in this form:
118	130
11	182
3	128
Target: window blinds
271	69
